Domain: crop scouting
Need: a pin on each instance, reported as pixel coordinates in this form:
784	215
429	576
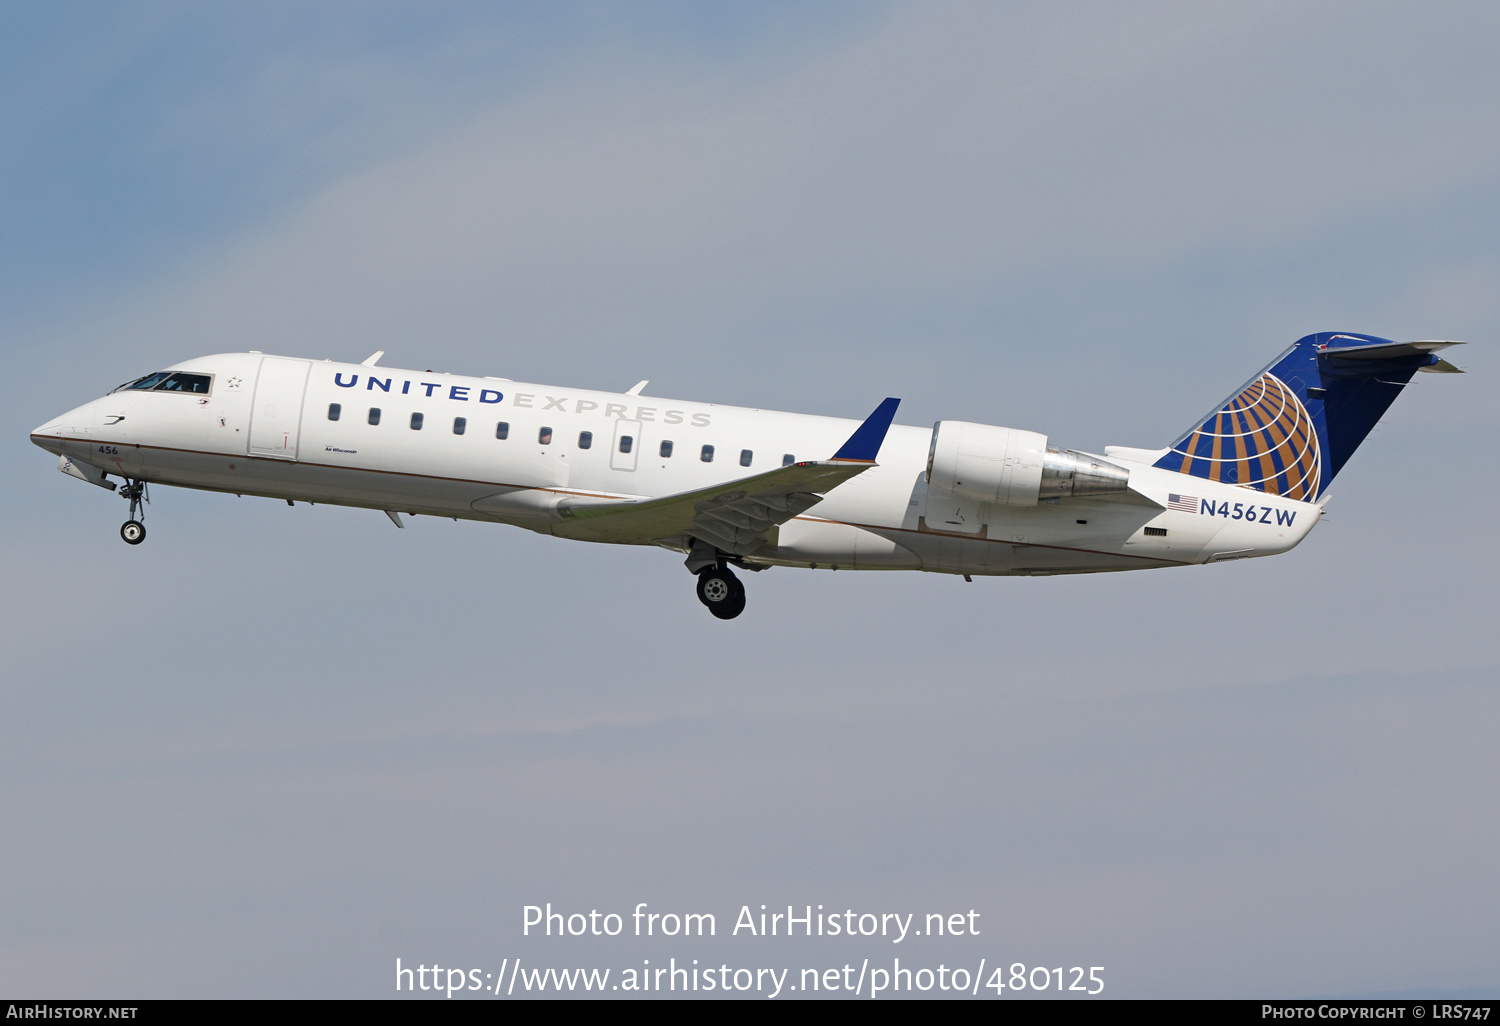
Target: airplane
736	488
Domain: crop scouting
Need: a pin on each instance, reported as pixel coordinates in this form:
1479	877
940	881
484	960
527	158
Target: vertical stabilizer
1292	427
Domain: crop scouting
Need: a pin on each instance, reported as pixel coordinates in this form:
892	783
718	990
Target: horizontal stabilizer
1386	350
733	516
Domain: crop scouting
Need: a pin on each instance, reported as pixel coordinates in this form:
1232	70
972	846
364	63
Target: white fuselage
260	431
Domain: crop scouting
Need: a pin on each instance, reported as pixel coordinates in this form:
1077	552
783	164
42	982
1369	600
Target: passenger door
276	412
627	445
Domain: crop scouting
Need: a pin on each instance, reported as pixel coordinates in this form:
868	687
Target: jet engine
1009	467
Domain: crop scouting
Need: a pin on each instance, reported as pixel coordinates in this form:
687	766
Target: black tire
722	593
133	531
734	607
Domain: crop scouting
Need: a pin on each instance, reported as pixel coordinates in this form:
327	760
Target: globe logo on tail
1263	438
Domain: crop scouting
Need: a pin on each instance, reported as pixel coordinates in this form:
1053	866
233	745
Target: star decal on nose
234	384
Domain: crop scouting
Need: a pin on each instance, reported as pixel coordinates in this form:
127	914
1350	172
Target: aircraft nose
54	434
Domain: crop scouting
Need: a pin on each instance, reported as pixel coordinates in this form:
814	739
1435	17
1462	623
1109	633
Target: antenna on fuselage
373	358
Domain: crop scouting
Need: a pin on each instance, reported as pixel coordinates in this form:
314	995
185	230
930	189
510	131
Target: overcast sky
272	750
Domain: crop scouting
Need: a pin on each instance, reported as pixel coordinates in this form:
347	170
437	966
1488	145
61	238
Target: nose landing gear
133	531
721	591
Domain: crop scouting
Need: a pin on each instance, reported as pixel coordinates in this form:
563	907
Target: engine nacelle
1009	467
986	463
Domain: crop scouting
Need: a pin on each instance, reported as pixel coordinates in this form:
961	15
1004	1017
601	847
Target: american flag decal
1182	503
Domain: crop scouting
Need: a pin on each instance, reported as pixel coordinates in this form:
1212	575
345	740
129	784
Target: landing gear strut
133	531
721	592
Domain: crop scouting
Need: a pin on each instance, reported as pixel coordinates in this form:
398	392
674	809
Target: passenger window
416	422
666	450
502	431
195	383
626	442
334	409
585	439
374	415
707	455
544	436
788	460
459	424
745	457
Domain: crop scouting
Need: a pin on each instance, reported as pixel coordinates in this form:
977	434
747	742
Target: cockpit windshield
167	381
149	381
196	383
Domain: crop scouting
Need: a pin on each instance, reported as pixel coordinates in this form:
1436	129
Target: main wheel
722	593
133	531
734	607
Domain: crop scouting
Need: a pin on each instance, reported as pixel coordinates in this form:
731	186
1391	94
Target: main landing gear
133	531
721	591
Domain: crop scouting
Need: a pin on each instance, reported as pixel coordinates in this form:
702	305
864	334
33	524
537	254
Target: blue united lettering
457	393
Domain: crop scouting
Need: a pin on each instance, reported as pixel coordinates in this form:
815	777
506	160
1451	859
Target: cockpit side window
198	384
149	381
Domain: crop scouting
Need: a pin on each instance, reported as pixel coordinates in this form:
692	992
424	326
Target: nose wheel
721	592
133	531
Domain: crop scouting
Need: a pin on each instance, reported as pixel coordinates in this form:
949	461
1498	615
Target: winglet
864	445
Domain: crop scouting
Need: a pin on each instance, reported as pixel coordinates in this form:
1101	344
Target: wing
733	516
